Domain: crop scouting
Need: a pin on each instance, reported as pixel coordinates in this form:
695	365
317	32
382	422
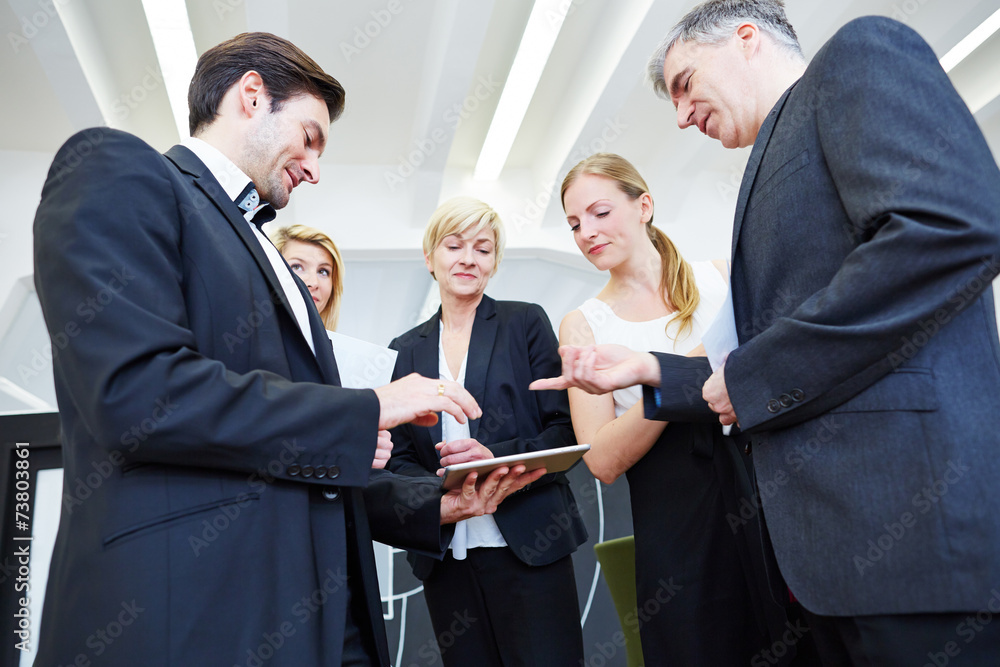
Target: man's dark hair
285	70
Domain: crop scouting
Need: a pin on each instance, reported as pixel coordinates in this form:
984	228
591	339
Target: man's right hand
598	369
417	399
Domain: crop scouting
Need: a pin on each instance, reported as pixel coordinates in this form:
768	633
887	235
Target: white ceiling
422	87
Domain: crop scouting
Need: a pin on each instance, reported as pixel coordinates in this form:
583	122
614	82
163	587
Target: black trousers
492	610
970	639
359	650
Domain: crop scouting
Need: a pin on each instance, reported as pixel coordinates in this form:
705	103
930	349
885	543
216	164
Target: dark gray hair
714	22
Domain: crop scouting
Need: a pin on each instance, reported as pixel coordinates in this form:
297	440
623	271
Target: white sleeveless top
651	335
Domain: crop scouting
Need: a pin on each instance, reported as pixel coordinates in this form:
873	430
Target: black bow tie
248	200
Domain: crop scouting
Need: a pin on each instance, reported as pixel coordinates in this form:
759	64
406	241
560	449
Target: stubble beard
261	166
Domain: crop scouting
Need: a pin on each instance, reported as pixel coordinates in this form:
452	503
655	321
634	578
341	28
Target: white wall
21	177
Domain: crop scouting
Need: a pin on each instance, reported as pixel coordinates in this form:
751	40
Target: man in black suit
866	236
234	526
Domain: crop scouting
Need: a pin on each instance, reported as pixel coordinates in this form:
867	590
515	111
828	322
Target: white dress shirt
233	180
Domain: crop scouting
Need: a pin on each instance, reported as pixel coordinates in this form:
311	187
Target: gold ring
441	389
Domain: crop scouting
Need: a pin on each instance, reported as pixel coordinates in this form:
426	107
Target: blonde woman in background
314	257
698	592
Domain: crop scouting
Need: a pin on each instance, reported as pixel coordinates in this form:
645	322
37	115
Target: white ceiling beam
116	53
18	393
540	35
977	77
54	50
91	54
174	43
971	42
447	77
602	80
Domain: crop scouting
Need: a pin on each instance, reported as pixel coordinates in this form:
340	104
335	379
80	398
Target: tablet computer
553	460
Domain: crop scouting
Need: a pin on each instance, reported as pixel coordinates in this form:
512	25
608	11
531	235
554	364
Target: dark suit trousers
491	610
358	650
970	639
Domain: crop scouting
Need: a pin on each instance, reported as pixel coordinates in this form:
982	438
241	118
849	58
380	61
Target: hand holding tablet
553	460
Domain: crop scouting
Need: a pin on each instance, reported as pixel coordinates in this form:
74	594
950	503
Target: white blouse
479	531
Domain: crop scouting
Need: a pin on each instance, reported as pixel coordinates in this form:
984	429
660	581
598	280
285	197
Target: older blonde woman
521	592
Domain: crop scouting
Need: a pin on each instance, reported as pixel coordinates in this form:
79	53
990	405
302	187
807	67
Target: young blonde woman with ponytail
684	478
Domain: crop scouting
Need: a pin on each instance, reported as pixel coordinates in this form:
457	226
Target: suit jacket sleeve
406	512
422	500
110	263
681	380
405	460
921	194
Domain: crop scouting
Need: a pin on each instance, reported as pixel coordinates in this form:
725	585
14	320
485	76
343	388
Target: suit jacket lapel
325	357
484	335
426	359
753	165
189	163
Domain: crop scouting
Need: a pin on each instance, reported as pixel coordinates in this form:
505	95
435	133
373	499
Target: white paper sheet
362	365
720	339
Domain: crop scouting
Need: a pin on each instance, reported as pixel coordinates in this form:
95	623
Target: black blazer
512	344
227	505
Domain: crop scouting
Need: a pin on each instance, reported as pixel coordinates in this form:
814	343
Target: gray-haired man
869	221
872	198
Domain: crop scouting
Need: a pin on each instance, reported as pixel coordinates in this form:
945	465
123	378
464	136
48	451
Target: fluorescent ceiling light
174	44
971	42
539	37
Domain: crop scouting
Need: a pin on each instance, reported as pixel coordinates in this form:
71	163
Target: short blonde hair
280	238
459	214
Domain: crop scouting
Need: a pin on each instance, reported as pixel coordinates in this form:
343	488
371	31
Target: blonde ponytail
677	285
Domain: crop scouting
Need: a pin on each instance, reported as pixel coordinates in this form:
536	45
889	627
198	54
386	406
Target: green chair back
617	559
